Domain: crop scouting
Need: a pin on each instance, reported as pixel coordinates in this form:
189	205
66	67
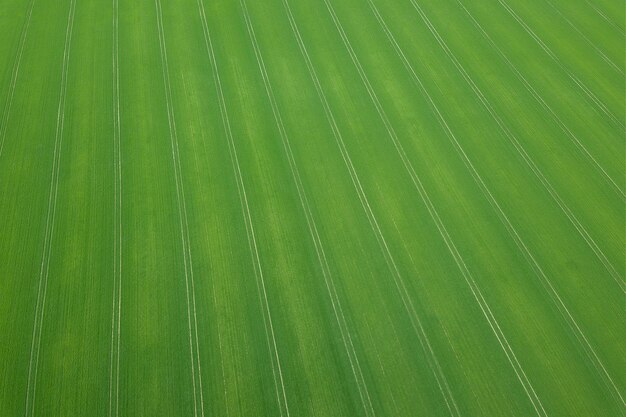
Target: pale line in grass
206	35
219	344
183	222
440	376
114	372
504	219
14	74
589	41
521	151
313	231
486	310
547	185
475	395
556	298
252	244
605	17
50	220
598	102
428	202
398	281
183	214
546	106
119	212
396	339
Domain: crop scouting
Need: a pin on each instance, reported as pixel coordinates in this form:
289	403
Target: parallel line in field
484	306
397	277
207	37
522	152
220	350
605	17
194	345
589	41
33	364
572	136
435	366
116	313
14	74
313	230
281	395
472	387
486	310
580	228
595	100
538	270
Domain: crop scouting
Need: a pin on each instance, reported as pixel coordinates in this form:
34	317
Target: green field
326	208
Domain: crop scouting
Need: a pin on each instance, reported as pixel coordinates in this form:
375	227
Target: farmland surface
329	208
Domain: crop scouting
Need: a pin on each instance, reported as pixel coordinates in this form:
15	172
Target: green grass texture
330	208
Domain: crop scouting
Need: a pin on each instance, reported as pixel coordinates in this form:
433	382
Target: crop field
326	208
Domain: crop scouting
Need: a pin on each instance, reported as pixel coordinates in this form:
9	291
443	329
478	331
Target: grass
288	208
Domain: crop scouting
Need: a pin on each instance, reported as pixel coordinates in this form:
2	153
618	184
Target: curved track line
116	313
183	225
546	283
281	395
14	74
580	228
487	312
612	183
33	364
395	273
599	51
504	219
512	358
313	231
538	270
605	17
600	105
